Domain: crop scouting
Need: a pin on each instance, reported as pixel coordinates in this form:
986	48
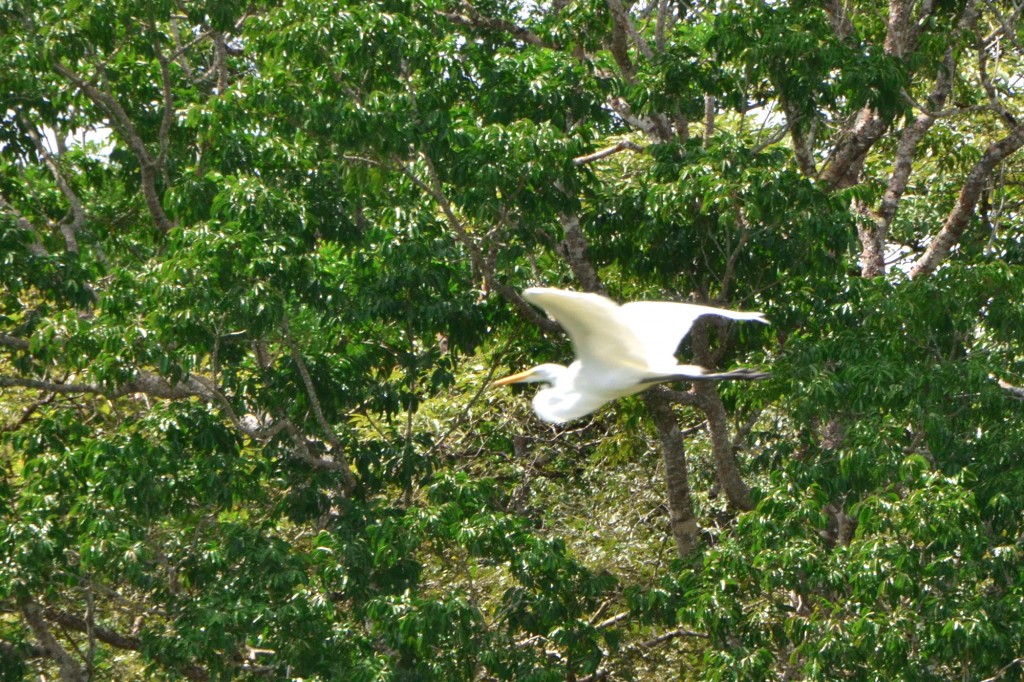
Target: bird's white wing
600	333
661	325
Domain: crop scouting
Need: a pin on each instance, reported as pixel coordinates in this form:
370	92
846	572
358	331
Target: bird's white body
621	350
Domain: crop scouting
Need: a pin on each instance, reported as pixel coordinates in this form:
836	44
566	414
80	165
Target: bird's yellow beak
513	379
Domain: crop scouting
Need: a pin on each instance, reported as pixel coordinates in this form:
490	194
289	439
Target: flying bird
620	350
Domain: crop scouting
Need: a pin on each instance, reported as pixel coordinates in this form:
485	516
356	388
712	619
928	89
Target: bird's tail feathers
698	373
739	374
741	315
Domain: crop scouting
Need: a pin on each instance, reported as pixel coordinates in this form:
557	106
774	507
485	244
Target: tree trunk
727	470
677	477
573	248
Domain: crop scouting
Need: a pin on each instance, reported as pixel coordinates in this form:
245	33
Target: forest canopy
260	261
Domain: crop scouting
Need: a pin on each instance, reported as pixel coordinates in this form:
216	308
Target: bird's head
546	374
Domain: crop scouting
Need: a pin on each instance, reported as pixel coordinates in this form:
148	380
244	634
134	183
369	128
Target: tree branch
619	47
144	382
36	248
614	620
20	651
839	17
671	634
168	116
959	216
123	123
50	386
709	119
620	18
730	263
13	342
1005	669
847	159
113	638
477	259
801	135
341	464
196	386
1015	391
436	190
619	146
79	624
990	90
688	398
70	228
873	240
179	52
70	669
604	674
1007	26
220	61
896	35
150	384
656	126
473	19
664	22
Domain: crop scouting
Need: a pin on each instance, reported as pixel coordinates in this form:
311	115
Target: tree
260	261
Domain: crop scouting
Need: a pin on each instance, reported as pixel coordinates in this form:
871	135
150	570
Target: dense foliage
260	260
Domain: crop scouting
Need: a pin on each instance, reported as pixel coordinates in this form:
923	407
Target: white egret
620	350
